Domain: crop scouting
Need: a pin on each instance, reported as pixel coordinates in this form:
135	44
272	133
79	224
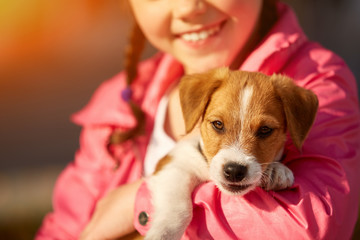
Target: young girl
135	118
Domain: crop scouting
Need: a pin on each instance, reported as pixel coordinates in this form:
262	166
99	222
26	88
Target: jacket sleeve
79	186
322	203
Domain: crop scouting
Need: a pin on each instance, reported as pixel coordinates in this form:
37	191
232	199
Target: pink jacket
323	202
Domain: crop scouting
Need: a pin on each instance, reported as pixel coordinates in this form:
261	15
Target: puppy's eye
218	125
264	132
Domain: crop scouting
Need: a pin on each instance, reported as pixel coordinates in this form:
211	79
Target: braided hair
132	57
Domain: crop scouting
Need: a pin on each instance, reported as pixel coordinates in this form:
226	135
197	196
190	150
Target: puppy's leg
171	195
171	190
277	177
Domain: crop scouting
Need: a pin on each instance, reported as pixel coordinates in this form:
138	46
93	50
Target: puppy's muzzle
234	172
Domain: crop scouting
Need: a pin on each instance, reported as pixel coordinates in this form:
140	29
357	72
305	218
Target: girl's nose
187	9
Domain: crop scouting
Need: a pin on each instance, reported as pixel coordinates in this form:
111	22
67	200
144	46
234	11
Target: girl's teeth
203	35
193	37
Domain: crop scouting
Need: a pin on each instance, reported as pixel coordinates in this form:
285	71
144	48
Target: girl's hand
113	216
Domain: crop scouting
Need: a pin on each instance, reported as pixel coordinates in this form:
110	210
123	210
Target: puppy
244	120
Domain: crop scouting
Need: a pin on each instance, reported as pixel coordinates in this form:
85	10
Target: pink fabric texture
322	203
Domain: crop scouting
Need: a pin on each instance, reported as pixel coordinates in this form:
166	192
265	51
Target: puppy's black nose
234	172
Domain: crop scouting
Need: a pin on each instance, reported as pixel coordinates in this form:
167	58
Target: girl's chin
202	67
205	61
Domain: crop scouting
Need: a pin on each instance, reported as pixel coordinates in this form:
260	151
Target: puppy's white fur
245	99
174	186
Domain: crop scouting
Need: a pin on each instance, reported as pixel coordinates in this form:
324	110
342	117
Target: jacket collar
280	44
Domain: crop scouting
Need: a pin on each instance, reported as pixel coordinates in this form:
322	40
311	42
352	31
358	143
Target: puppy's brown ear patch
300	107
195	93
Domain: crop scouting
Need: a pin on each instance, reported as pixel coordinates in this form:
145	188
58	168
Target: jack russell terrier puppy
244	120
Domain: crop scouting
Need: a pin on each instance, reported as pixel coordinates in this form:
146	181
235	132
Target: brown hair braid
132	57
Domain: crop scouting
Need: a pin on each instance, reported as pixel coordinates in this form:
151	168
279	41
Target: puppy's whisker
266	178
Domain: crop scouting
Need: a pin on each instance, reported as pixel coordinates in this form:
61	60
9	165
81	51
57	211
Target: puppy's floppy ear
300	107
195	93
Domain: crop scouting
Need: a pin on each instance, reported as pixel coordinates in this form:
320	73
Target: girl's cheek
239	9
153	22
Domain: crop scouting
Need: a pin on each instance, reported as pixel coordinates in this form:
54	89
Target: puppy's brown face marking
250	115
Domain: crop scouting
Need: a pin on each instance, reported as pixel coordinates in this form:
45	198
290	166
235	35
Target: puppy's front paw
277	177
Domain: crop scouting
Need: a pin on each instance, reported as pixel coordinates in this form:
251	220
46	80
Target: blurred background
54	54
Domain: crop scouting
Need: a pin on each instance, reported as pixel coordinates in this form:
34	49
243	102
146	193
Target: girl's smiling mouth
201	34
